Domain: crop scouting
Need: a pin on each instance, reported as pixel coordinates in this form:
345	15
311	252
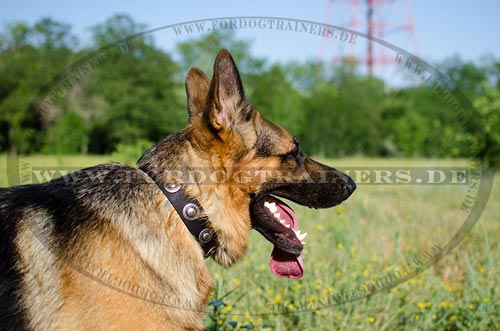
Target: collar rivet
172	188
205	236
191	211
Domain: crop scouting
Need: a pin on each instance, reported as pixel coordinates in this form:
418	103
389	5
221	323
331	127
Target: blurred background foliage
139	96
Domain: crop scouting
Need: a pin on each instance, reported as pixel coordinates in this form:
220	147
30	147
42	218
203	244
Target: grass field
379	230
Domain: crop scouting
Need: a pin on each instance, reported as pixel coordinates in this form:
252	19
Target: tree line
137	98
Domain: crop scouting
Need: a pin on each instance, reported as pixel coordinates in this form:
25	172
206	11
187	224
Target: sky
442	28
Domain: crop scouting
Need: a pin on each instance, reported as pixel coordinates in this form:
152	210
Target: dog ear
226	92
197	87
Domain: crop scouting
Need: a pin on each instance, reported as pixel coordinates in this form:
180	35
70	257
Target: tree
200	52
343	114
118	27
468	76
29	57
276	97
68	135
140	89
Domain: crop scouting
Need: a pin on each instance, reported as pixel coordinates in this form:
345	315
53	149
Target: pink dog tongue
281	263
286	265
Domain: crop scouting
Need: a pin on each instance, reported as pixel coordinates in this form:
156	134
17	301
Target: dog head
247	162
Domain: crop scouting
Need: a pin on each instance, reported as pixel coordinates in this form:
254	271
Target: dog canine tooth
301	236
303	242
272	207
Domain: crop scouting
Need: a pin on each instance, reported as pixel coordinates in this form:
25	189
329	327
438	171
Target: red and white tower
390	20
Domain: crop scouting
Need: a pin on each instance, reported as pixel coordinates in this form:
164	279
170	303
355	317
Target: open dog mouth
277	222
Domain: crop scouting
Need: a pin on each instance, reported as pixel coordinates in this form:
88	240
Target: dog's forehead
272	139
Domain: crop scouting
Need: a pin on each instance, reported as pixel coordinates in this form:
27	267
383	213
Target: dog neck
178	159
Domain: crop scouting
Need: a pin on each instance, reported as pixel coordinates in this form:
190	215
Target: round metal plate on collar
205	236
191	211
172	188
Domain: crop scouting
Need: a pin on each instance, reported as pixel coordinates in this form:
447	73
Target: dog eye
296	148
296	153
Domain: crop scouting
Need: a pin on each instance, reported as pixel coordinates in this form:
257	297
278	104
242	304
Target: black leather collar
192	214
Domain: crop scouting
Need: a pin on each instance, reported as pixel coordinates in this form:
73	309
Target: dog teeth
277	215
287	226
282	222
303	242
271	206
299	235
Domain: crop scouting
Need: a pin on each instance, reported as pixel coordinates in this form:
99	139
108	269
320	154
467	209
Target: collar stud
205	236
191	211
172	188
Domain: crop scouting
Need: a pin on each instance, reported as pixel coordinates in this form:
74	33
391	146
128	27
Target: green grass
372	233
362	240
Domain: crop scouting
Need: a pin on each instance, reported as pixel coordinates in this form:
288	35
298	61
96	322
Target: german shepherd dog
105	248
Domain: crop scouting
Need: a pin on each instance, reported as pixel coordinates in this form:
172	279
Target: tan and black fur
115	217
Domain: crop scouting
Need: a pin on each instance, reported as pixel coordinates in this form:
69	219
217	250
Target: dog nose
351	185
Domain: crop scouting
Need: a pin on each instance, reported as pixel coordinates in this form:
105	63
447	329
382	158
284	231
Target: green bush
130	153
67	136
